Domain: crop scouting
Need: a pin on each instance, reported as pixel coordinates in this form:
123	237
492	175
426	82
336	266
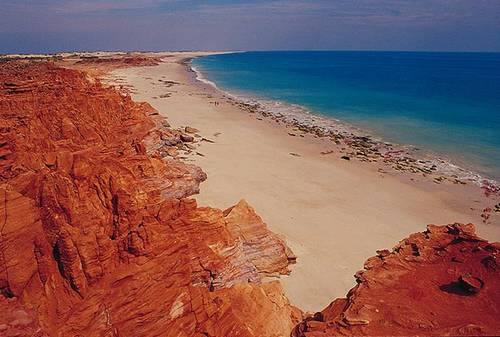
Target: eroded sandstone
444	281
97	236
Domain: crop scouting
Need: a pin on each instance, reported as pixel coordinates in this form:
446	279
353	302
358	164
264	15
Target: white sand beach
333	213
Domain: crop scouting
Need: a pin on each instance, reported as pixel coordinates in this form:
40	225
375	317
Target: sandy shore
333	213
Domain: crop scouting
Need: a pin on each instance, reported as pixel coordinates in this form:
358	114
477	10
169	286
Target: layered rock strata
97	236
442	282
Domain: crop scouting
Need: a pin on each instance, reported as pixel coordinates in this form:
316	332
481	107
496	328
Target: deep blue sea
446	103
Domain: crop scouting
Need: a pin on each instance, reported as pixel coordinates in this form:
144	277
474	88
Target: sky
43	26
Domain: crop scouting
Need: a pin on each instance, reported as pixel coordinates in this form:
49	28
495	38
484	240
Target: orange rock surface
123	61
97	237
99	66
442	282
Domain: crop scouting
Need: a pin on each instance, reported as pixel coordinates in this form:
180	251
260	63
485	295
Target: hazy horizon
50	26
248	51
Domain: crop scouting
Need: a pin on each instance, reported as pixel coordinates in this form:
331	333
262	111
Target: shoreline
365	145
333	213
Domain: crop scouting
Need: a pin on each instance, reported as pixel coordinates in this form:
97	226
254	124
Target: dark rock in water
345	157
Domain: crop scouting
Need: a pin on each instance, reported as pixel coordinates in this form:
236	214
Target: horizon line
252	50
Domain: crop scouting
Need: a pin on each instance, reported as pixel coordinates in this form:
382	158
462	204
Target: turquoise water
447	103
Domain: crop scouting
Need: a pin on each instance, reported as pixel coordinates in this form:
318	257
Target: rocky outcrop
97	237
123	61
444	281
99	66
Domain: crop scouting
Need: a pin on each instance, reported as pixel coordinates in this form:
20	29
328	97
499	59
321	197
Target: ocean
445	103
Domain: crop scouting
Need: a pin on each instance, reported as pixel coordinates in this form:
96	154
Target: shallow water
447	103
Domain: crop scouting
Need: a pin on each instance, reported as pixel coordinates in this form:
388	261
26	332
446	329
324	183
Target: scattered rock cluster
167	142
353	143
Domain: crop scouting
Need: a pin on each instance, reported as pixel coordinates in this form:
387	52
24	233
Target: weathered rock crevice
443	281
96	224
98	236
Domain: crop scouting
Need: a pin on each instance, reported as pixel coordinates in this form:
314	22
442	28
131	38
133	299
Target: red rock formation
444	281
100	66
123	61
97	238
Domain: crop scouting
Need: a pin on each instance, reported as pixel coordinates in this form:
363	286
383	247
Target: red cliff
97	236
442	282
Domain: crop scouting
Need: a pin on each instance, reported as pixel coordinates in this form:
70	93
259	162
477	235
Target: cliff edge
98	236
442	282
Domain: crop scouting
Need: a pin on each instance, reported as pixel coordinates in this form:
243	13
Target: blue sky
65	25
